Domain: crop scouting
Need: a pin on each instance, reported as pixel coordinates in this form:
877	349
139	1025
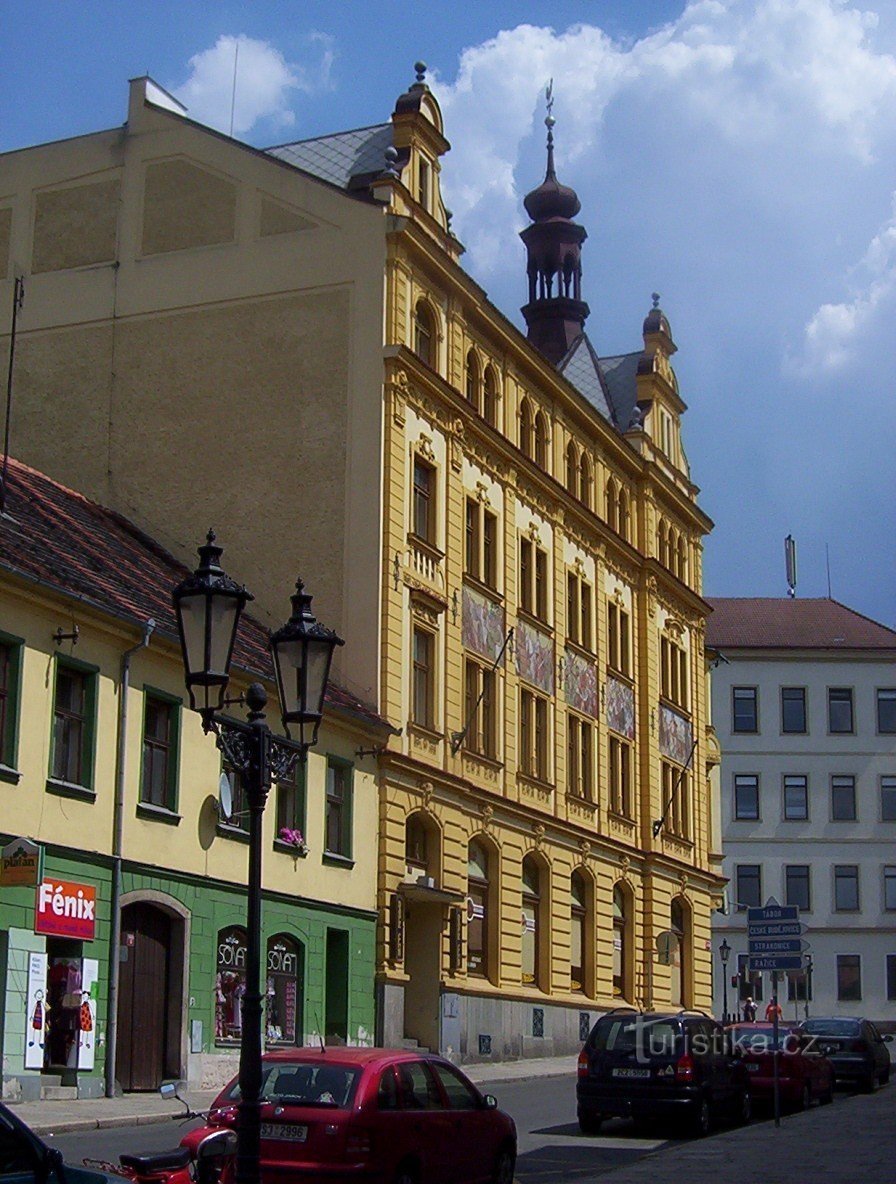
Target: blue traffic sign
780	945
777	929
776	962
773	912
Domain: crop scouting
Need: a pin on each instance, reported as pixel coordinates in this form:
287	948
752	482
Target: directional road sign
777	929
776	962
773	912
777	945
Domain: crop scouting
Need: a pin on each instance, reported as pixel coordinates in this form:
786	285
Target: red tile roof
61	540
784	623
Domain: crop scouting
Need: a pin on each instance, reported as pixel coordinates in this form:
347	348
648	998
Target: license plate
631	1072
752	1068
284	1130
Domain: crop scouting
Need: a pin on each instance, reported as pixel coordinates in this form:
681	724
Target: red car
378	1115
804	1075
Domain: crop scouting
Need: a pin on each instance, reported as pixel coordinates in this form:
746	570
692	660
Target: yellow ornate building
504	529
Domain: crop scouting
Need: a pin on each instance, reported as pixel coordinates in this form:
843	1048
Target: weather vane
549	97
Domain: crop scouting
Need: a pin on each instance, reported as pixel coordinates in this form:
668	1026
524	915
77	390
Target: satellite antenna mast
18	299
790	562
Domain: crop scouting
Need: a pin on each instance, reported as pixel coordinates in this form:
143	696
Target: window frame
533	735
481	716
292	814
579	611
846	696
534	578
754	697
846	873
848	784
480	543
423	679
619	634
805	878
11	707
803	701
840	964
798	780
344	802
741	876
887	695
887	790
424	500
739	815
87	756
174	705
675	673
579	757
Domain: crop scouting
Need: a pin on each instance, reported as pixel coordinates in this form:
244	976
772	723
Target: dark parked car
854	1047
24	1158
805	1075
677	1066
374	1115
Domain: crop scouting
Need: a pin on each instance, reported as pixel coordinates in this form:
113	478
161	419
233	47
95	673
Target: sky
736	156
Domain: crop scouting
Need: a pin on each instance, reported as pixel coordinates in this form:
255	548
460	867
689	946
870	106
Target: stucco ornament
426	793
487	817
538	831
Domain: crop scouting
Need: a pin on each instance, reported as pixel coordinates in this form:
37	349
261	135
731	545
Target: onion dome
655	321
550	199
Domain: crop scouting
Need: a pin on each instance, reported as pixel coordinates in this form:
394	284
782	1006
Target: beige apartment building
504	528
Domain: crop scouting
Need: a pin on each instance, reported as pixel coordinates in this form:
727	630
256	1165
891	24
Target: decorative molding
457	445
487	813
425	606
625	868
538	832
425	448
482	494
426	792
400	389
585	848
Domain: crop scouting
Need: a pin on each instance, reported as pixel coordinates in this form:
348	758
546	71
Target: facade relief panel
580	683
676	735
483	625
535	657
620	701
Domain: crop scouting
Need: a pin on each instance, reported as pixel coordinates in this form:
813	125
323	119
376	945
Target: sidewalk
82	1114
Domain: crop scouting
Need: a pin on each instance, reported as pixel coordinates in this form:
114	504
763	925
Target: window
846	888
796	886
888	799
531	922
746	796
843	799
745	713
676	800
621	943
541	440
533	579
527	428
749	984
230	984
585	481
423	510
533	735
459	1094
673	672
748	881
796	797
161	718
416	845
578	611
338	838
481	550
849	977
423	185
793	710
10	656
481	735
490	397
618	644
578	916
423	678
572	469
799	987
579	760
886	711
620	777
291	804
478	921
284	987
840	709
424	334
472	377
71	762
890	888
891	977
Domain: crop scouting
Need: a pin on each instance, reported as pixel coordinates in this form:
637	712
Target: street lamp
208	606
724	954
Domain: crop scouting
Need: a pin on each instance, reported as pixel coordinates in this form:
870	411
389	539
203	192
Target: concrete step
413	1045
59	1093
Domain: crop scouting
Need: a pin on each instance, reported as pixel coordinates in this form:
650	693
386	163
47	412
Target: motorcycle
204	1156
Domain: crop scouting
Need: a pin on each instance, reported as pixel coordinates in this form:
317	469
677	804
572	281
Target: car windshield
758	1040
631	1033
307	1083
821	1027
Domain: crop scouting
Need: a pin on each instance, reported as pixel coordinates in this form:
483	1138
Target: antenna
236	58
790	563
18	299
827	559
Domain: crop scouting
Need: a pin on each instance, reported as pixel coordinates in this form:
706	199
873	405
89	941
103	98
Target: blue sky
737	156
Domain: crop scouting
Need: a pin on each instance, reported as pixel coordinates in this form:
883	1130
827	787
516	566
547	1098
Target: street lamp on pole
208	606
724	954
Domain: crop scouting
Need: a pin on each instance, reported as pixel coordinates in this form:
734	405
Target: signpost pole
777	1052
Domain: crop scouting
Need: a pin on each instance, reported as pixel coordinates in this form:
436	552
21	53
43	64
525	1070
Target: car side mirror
490	1102
888	1039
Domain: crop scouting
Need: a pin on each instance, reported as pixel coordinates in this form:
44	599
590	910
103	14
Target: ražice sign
65	909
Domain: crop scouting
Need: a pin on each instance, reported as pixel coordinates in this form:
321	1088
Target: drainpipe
117	825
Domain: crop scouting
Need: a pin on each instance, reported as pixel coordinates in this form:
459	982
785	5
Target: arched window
490	397
680	952
526	429
230	983
284	991
621	943
541	440
424	334
622	514
682	558
612	512
531	920
421	846
585	480
473	379
572	469
478	920
578	891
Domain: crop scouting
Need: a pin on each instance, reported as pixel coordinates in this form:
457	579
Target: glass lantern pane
223	616
192	615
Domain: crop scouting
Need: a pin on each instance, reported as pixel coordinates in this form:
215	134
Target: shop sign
21	863
65	909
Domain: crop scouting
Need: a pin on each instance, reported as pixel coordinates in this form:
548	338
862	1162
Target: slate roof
784	623
607	383
339	157
63	541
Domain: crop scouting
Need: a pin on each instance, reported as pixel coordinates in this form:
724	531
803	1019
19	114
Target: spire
553	246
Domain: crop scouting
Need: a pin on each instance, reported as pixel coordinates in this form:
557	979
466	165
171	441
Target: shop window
478	918
161	733
338	839
74	722
10	665
679	923
284	990
230	984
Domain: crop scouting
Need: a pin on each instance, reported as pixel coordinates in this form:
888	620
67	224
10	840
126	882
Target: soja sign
65	909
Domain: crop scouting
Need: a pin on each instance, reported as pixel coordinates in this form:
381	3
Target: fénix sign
65	909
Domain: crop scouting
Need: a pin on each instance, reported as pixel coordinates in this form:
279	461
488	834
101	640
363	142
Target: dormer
659	403
419	141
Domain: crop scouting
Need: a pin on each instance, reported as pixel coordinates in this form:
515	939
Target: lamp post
208	606
724	954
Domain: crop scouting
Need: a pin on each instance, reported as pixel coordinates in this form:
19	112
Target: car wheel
702	1120
589	1124
806	1097
745	1108
504	1167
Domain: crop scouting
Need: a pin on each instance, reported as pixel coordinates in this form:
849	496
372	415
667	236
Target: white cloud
265	82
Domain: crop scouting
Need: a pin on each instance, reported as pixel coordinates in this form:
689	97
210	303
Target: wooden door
142	998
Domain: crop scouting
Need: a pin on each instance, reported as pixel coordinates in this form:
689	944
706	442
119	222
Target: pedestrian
773	1010
749	1010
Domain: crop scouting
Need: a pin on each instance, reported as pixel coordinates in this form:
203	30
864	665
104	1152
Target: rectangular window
673	673
423	678
745	709
534	735
748	884
796	885
480	709
423	191
618	645
888	799
886	711
799	987
746	796
578	611
793	710
749	985
676	800
579	757
840	709
796	797
291	806
338	838
849	977
846	888
481	549
423	510
533	579
73	725
843	799
891	977
890	888
10	658
620	762
161	718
